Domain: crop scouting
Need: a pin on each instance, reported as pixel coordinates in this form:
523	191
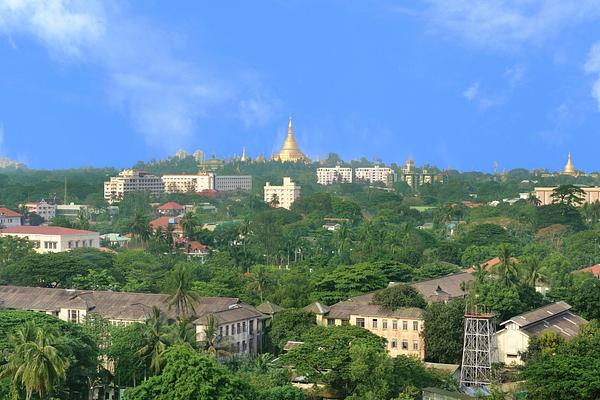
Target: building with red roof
54	239
9	218
171	208
166	223
594	270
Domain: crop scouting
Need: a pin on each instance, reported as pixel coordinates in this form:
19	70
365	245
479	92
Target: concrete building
167	223
513	339
131	181
54	239
71	210
415	178
9	218
42	208
282	196
177	183
544	194
402	328
375	174
171	208
233	183
328	176
239	325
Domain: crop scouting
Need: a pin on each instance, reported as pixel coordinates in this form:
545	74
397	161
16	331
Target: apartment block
44	209
282	196
328	176
131	181
375	174
233	183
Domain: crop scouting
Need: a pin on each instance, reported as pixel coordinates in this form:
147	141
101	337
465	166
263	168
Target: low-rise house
513	339
332	226
54	239
44	209
167	223
195	249
9	218
401	328
238	325
171	208
445	288
71	210
115	239
594	270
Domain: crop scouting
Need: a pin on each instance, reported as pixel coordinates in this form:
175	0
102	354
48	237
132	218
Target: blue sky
451	83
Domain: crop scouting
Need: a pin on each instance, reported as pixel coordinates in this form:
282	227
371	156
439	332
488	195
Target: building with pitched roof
9	218
239	325
513	339
54	239
171	208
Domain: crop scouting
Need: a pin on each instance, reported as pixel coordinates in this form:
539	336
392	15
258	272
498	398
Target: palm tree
506	268
342	235
531	271
156	340
213	342
36	363
140	226
182	296
183	332
274	201
261	280
188	224
534	200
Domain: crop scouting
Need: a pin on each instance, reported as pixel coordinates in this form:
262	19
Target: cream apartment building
175	183
239	325
130	181
282	196
328	176
544	194
402	328
54	239
375	174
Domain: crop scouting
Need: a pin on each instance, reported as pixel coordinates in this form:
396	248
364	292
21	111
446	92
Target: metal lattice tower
476	369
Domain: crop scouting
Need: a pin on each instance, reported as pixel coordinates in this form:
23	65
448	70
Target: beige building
544	194
328	176
131	181
375	174
513	339
401	328
54	239
415	178
239	325
42	208
9	218
290	152
282	196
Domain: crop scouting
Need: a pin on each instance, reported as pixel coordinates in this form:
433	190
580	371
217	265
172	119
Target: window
239	330
74	316
330	322
394	344
251	345
244	326
360	322
384	324
404	344
405	325
220	331
415	345
227	330
415	325
237	347
395	325
244	348
374	323
251	327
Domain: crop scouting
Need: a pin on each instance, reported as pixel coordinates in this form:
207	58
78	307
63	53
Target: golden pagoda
244	157
569	168
290	150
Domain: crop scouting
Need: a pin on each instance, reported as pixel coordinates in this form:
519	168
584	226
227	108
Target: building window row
384	324
404	343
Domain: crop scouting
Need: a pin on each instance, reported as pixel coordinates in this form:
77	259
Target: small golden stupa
290	150
244	156
569	168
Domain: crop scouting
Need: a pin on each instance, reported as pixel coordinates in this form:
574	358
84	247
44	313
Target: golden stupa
569	168
290	150
244	156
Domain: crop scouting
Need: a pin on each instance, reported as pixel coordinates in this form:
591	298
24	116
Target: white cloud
164	95
592	66
471	92
515	75
507	24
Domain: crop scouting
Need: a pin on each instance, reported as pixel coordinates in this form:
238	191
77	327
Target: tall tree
568	195
188	224
506	269
140	226
182	296
36	364
155	339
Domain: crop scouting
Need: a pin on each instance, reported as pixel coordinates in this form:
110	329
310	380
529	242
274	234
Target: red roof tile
164	222
44	230
171	205
594	270
5	212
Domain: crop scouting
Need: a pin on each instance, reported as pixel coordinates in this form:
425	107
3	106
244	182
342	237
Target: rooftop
5	212
44	230
171	205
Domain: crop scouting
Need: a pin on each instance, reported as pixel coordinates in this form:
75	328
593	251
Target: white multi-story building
375	174
282	196
71	210
42	208
176	183
328	176
54	239
130	181
9	218
233	183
